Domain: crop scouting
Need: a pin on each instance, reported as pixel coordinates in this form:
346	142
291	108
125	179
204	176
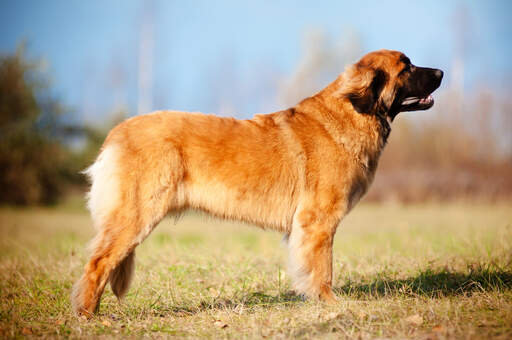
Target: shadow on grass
431	284
248	300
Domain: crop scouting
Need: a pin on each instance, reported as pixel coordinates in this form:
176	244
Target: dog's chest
363	152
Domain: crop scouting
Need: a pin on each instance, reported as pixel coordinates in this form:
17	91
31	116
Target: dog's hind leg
111	247
142	200
310	253
112	259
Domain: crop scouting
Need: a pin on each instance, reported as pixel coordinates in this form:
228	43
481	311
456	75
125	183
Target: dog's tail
104	195
121	277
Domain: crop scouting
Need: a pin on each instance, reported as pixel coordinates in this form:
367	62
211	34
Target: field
420	271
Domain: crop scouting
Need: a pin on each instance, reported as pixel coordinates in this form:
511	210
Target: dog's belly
255	200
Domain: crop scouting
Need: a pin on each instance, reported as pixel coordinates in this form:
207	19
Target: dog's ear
362	85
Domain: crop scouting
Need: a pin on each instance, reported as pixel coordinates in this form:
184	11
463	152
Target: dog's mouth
417	103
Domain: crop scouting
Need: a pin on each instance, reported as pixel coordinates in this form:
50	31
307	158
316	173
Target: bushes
33	166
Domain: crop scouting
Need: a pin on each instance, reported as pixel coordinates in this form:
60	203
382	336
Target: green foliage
36	164
32	158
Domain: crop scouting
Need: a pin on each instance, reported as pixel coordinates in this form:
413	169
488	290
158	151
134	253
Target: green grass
424	271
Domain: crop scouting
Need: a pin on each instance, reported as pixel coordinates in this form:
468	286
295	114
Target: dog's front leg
310	251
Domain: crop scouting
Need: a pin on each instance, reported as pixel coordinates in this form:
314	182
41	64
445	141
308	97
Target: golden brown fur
297	171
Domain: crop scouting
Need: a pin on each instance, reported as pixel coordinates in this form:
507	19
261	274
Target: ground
421	271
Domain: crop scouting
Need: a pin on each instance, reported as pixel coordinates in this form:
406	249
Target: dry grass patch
423	271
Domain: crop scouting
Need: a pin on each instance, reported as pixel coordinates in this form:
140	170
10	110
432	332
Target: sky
199	51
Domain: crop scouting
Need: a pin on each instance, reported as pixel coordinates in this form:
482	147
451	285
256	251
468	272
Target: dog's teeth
427	100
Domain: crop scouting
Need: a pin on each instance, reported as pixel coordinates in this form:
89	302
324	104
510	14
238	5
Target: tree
32	157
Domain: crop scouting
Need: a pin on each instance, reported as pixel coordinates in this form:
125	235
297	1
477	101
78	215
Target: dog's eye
406	69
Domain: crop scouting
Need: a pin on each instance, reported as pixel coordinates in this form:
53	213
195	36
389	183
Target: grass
424	271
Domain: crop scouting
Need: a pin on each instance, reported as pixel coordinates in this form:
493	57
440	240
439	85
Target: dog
297	171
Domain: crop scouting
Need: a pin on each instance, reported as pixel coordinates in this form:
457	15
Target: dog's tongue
410	100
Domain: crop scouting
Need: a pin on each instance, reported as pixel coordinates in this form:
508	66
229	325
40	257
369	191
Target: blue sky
92	47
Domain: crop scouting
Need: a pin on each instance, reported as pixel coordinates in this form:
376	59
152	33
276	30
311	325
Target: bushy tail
121	277
104	196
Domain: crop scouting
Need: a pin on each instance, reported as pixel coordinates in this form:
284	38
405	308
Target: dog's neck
335	114
336	98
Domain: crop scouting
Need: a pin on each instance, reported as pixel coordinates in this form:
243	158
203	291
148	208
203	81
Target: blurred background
70	70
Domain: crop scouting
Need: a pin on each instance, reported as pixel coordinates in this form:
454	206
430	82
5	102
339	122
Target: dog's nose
439	74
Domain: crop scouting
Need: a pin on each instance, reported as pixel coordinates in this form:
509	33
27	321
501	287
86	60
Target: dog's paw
328	297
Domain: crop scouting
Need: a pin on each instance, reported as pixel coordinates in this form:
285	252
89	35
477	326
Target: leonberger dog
298	171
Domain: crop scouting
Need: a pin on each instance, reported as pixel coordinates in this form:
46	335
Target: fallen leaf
415	319
437	329
59	322
106	323
26	331
220	324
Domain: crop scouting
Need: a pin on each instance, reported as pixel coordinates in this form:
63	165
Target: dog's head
386	82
